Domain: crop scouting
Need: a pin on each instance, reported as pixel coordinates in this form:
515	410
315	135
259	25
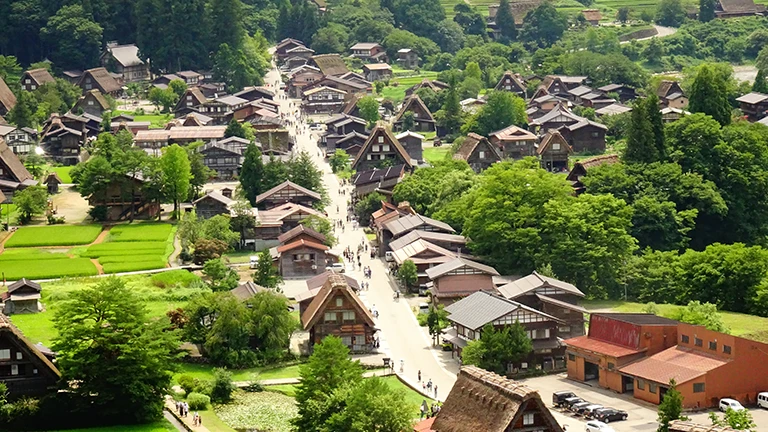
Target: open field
55	235
158	426
261	411
63	173
436	154
44	266
156	120
748	326
397	92
608	8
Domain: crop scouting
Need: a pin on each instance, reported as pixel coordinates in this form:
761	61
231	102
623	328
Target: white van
762	400
254	261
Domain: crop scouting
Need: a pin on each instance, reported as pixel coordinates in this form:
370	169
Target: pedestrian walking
402	365
435	391
423	408
419	376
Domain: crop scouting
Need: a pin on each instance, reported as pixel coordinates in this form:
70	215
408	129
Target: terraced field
607	7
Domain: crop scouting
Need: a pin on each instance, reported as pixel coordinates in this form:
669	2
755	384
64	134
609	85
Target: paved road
400	335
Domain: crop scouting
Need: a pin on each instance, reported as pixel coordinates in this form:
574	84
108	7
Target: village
322	235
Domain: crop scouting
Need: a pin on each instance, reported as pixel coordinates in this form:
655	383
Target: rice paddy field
54	235
134	247
607	7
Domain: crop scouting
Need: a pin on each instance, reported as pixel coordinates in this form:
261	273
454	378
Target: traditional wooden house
301	232
52	182
412	142
459	278
478	152
23	368
323	100
377	71
340	126
351	86
92	102
452	242
212	90
191	98
514	142
737	8
351	143
378	180
225	160
302	258
582	134
483	401
33	79
422	117
62	141
162	81
221	109
273	222
212	204
424	255
191	78
153	140
298	56
512	83
253	93
301	77
329	64
754	105
408	58
613	109
72	76
282	48
127	200
246	290
337	311
560	84
433	85
470	315
23	296
124	60
20	140
592	16
287	192
380	150
669	114
403	224
551	296
369	52
472	105
554	151
13	174
671	95
625	92
7	98
581	169
101	80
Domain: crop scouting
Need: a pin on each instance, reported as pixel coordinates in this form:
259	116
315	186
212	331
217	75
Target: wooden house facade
23	296
92	102
125	60
337	311
512	83
478	152
101	80
304	258
324	99
287	192
212	204
33	79
514	142
553	152
459	278
380	150
126	201
225	160
23	368
422	117
754	105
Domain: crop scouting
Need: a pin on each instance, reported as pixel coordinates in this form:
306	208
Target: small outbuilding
52	181
23	296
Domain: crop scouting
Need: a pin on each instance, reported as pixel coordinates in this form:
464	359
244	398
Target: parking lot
642	415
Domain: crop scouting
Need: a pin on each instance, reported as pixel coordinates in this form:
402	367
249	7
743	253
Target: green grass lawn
412	397
748	326
156	120
205	372
240	256
54	235
158	426
213	423
436	154
63	173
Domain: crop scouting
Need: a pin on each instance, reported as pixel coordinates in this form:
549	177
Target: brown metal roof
300	229
426	235
678	363
535	281
301	243
457	263
600	347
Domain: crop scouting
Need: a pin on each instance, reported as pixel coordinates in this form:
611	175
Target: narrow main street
401	337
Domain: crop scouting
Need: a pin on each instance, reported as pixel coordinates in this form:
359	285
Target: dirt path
96	263
102	236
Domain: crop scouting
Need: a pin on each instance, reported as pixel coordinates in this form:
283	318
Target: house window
640	384
611	366
90	103
698	342
508	87
685	339
19	355
27	81
14	369
564	329
88	86
652	387
368	157
381	139
386	147
339	302
481	155
713	345
330	317
5	354
595	134
726	349
571	357
556	146
698	387
349	316
527	419
346	340
33	86
524	365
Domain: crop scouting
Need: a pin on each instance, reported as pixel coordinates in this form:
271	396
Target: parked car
762	399
254	261
733	404
336	267
588	410
558	398
389	256
578	408
598	426
569	402
607	415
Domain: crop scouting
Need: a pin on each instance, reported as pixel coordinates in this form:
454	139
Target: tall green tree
497	349
275	172
266	274
303	171
670	13
226	17
252	173
199	172
502	109
761	84
671	407
23	113
176	174
641	147
74	37
219	276
234	129
367	205
506	22
707	10
339	161
369	109
407	274
709	95
120	359
30	202
372	405
271	324
543	26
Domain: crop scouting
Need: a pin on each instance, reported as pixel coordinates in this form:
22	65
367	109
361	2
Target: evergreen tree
709	95
176	174
641	144
23	113
670	408
506	22
252	174
451	112
266	274
760	85
657	124
226	24
303	171
706	10
234	129
275	172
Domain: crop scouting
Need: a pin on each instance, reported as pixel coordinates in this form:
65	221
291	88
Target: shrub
98	213
198	401
222	386
188	383
422	319
254	387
